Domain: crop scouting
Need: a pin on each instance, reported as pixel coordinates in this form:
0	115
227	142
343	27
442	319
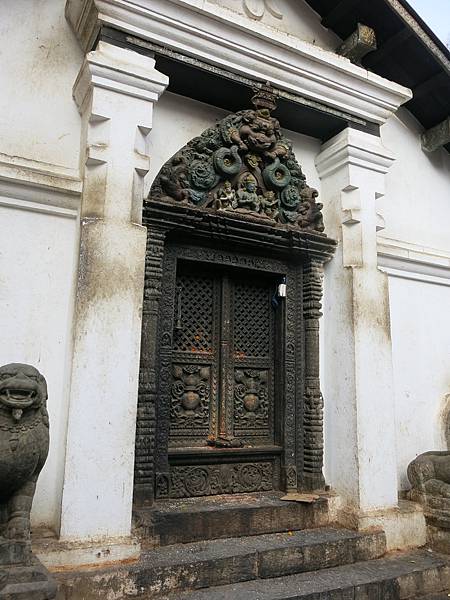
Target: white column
357	378
115	92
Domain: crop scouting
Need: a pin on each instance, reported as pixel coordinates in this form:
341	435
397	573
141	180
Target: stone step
400	577
26	583
195	519
444	596
218	562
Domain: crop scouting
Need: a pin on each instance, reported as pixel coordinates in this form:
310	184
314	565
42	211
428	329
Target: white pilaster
115	92
357	378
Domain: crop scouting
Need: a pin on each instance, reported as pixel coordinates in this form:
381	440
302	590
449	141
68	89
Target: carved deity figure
269	205
225	197
258	134
24	443
246	197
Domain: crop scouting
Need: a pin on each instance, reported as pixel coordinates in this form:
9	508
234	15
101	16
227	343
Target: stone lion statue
429	474
24	442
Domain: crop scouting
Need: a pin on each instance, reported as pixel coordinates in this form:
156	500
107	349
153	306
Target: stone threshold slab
190	520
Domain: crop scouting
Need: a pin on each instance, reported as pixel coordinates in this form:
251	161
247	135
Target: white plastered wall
39	61
39	197
420	324
37	262
416	206
415	249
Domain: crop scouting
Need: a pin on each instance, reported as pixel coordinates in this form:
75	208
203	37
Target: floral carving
209	480
190	397
251	409
243	165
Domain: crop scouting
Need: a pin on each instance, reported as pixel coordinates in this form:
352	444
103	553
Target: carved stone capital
356	151
118	70
115	91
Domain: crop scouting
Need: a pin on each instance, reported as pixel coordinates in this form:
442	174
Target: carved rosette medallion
190	398
257	8
243	165
251	408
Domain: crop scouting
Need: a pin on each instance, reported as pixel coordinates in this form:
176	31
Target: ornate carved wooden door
229	391
223	406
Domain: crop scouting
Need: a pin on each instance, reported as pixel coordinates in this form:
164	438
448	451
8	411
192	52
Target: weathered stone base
15	552
193	519
405	577
438	539
176	568
437	517
58	554
259	546
404	525
27	583
319	564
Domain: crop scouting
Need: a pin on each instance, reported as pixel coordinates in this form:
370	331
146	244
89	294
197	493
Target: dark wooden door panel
222	393
253	360
193	404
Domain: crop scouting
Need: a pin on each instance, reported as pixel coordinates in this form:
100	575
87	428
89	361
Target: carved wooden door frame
237	194
206	236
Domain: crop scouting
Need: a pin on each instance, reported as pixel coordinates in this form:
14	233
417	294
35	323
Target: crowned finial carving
265	98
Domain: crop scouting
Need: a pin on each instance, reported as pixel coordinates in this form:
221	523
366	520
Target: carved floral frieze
210	480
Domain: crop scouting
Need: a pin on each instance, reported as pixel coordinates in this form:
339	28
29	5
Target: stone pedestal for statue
24	441
429	475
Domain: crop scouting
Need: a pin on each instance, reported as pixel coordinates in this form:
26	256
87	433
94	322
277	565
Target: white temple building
97	96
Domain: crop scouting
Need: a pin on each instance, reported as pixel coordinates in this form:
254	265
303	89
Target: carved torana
243	165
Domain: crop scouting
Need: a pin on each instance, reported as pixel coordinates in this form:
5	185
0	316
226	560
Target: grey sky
436	14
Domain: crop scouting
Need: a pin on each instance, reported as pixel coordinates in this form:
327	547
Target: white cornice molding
355	148
246	47
39	187
119	70
413	261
